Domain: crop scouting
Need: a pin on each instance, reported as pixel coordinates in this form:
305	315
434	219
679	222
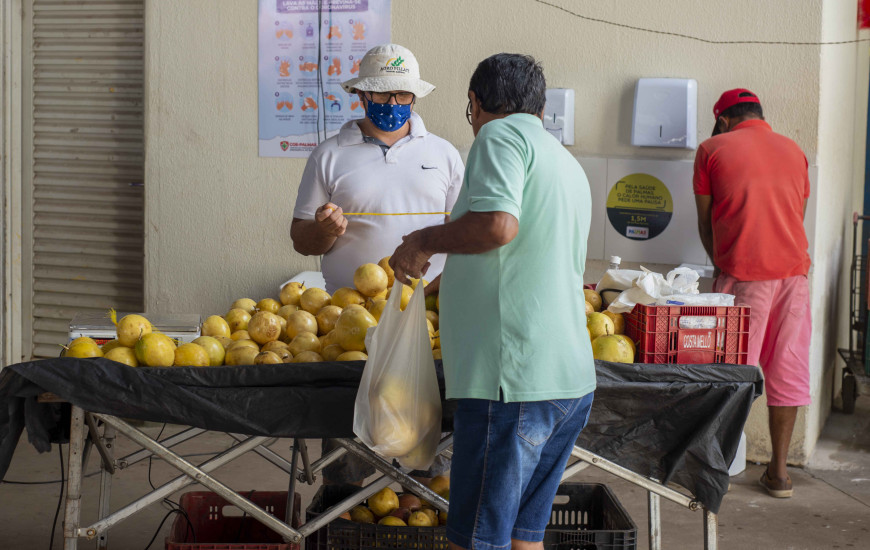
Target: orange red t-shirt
758	180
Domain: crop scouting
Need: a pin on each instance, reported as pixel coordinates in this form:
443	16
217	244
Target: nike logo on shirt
424	167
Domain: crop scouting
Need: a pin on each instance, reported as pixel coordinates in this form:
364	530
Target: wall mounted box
665	113
559	114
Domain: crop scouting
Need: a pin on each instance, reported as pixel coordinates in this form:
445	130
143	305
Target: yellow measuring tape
395	214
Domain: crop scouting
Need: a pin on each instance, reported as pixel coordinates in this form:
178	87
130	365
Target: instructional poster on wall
307	48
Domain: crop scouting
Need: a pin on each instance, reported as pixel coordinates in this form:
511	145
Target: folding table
653	425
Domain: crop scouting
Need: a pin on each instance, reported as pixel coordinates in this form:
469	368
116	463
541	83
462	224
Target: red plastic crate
219	525
661	339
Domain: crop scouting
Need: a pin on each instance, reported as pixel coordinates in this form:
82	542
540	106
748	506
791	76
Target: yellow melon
314	299
267	358
264	327
191	355
304	341
269	304
346	296
291	292
351	328
123	355
308	357
155	350
213	348
245	304
241	355
237	319
352	356
215	325
132	327
327	317
300	321
370	279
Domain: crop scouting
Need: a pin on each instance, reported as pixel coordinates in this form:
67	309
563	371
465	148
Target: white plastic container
181	327
739	462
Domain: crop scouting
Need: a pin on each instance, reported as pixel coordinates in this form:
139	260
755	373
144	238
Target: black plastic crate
591	519
585	516
342	534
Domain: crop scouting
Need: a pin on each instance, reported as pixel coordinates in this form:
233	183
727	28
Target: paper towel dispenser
559	114
665	113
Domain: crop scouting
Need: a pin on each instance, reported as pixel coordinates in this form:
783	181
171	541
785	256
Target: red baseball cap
732	98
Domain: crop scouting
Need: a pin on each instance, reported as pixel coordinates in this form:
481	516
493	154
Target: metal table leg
176	461
170	487
654	521
108	443
711	530
72	512
291	490
411	484
323	462
168	442
306	463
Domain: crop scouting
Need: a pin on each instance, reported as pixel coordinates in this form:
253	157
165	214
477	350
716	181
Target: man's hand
410	259
315	237
330	220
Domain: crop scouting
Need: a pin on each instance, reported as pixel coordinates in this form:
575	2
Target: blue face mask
388	117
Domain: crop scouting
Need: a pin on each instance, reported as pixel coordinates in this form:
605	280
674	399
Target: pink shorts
780	328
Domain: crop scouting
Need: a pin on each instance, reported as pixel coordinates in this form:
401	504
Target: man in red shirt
751	189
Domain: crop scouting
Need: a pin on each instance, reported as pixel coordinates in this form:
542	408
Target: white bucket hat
389	67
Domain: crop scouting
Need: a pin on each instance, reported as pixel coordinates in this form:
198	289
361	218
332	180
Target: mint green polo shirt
513	320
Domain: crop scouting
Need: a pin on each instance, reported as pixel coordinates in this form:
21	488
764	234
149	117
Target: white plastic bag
614	281
398	406
651	286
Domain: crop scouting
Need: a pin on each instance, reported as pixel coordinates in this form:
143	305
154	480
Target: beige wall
842	135
10	180
602	63
218	216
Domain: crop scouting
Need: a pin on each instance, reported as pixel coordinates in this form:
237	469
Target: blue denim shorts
508	460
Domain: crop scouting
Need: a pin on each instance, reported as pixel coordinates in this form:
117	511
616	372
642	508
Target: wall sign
640	207
307	48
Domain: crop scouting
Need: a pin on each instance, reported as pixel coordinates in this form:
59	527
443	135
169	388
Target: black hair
743	109
507	83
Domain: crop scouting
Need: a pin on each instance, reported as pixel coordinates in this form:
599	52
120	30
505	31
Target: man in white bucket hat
385	163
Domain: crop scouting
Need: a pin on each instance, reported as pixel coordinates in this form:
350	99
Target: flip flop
770	485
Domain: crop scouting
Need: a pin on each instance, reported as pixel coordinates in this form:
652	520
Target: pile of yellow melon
308	325
387	508
304	325
607	332
138	344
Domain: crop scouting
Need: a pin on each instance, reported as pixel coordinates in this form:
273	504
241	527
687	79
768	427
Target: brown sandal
773	486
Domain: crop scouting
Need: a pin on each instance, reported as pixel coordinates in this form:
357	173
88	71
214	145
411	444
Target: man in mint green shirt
516	353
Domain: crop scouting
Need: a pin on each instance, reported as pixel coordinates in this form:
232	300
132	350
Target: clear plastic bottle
614	262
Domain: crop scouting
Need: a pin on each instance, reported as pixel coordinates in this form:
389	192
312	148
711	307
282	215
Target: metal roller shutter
86	246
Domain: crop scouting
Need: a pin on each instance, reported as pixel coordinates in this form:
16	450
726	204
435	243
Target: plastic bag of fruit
398	406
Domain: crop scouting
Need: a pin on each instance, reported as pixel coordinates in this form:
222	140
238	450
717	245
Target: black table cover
674	423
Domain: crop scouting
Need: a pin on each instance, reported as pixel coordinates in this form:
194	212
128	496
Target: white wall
218	216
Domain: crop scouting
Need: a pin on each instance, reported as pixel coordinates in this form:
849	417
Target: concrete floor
830	509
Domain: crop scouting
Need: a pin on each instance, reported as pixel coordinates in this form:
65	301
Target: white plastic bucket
739	462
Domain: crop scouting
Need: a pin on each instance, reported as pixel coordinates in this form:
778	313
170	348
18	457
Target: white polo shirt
419	173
